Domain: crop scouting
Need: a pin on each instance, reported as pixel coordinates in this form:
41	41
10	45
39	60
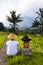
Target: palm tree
14	19
35	26
40	18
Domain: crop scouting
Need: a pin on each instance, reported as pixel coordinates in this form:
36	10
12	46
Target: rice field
37	52
2	38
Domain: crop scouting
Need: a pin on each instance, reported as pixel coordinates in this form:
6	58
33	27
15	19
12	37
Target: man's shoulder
8	41
16	42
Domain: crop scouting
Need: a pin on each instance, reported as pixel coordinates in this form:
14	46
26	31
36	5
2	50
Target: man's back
12	47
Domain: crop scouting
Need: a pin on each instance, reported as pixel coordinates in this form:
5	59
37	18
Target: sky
25	7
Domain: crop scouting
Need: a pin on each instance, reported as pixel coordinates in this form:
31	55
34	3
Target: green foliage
37	52
2	39
34	59
39	21
35	24
14	19
1	26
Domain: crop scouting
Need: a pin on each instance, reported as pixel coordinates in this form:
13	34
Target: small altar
26	50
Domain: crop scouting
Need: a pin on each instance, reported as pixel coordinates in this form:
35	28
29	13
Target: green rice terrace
37	51
2	38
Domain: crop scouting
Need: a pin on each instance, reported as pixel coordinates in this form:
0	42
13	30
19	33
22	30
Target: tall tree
40	18
14	19
1	26
35	26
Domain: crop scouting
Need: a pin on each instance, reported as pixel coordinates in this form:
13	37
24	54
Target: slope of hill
26	22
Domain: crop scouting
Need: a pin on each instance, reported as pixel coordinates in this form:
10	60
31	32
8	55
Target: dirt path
3	54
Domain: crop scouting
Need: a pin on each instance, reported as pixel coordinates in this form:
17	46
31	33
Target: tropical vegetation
14	19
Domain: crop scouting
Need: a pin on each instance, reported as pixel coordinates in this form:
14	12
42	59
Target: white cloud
25	7
34	7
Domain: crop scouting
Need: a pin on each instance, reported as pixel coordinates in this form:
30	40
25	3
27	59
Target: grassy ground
37	53
2	39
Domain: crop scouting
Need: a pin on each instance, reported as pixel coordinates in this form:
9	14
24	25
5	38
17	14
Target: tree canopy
14	19
1	26
39	20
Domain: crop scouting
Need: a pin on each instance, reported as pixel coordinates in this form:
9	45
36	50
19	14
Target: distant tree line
2	28
36	27
13	19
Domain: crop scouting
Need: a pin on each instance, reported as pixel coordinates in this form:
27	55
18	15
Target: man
12	45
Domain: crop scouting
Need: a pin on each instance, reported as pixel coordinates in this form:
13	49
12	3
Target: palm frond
9	19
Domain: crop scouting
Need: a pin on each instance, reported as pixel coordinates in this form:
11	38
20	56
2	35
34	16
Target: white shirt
12	47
